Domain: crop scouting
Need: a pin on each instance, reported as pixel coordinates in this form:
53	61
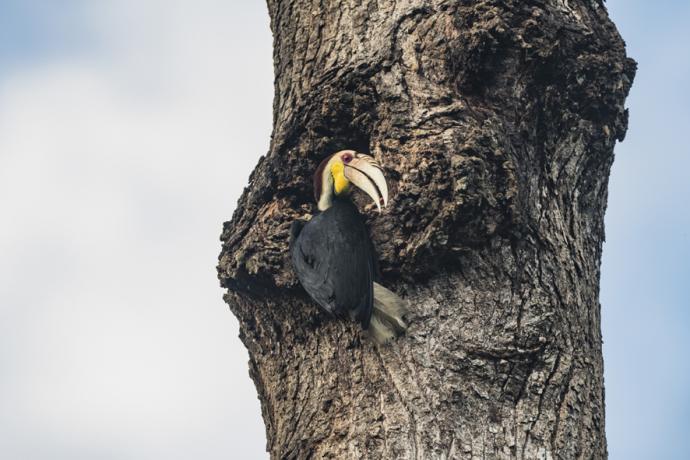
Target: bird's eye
347	158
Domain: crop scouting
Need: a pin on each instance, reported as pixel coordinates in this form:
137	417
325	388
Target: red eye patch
347	158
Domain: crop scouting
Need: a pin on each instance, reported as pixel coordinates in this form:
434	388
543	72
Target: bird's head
335	174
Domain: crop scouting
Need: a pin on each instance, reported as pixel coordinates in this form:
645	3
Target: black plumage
333	257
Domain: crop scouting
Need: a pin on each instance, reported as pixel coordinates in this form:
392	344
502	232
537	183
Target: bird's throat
340	183
334	184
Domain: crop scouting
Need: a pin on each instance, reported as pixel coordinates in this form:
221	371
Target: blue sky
39	29
646	264
126	137
128	128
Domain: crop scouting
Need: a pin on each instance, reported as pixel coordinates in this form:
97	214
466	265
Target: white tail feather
387	319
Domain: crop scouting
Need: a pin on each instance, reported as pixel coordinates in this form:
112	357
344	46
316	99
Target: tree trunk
495	122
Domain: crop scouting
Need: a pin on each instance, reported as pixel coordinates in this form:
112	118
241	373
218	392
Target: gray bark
495	121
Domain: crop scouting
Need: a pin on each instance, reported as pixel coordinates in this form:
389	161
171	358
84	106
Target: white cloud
116	173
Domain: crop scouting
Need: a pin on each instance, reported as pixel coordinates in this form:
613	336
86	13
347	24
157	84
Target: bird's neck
330	197
333	189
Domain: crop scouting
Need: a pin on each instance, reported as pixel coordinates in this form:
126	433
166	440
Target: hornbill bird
333	255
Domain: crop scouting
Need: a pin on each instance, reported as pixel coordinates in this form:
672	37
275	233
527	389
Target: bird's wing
333	260
312	259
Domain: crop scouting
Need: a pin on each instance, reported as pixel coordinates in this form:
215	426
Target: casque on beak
365	173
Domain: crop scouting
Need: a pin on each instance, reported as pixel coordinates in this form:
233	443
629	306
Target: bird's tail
387	319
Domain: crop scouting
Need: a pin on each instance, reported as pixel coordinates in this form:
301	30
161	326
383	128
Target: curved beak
367	175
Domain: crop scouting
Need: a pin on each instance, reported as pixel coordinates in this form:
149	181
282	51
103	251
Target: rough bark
495	121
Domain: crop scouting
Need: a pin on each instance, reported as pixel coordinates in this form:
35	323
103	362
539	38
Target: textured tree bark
495	121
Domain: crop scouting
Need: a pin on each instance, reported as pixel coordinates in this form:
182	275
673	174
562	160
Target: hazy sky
645	290
128	129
